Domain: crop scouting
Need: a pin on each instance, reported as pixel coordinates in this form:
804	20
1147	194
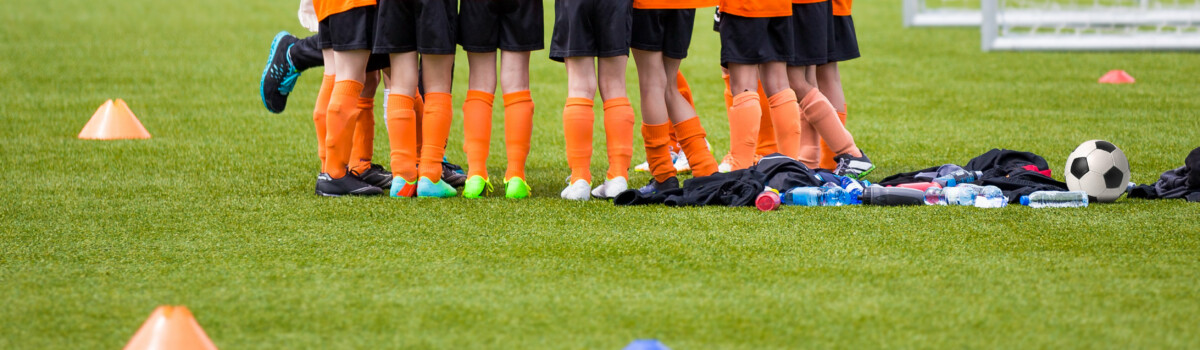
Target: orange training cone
1116	76
170	328
113	121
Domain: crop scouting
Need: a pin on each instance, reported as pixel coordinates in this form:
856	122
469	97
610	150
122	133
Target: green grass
216	212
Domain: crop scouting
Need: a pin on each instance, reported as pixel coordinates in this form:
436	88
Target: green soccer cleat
476	186
516	188
402	189
430	189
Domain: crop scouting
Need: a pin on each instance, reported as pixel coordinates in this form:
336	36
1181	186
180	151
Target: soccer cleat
671	183
280	75
681	163
516	188
577	191
726	164
376	176
853	167
645	166
403	189
476	187
453	174
346	185
430	189
611	188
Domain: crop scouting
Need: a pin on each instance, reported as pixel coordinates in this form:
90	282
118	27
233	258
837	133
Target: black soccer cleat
671	183
452	174
376	176
280	75
347	185
853	167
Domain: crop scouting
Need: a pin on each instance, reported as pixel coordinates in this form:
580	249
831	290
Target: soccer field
217	210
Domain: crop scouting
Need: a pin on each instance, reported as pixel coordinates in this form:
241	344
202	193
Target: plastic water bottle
959	195
834	195
803	196
958	177
1056	199
768	200
990	197
854	189
935	196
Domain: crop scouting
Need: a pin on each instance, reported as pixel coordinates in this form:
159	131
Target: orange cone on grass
170	328
1116	76
113	121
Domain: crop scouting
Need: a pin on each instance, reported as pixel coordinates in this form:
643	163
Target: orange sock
518	130
364	136
319	112
766	130
339	126
658	153
618	131
685	90
744	118
821	122
477	131
826	153
435	130
785	116
402	136
578	120
692	139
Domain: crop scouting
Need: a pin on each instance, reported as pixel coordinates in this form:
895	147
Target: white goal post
1092	25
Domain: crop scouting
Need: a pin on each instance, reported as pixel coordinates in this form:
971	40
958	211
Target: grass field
216	212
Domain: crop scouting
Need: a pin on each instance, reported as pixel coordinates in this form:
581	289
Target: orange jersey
842	7
757	8
807	1
673	4
325	8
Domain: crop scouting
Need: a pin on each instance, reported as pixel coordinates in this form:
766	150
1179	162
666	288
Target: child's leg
402	117
822	118
656	126
683	113
785	113
518	110
578	117
766	131
437	73
477	111
744	114
685	90
830	82
343	109
322	106
618	115
364	130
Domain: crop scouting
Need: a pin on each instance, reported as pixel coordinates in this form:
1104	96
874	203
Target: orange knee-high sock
618	134
658	154
766	130
685	90
477	131
339	126
319	113
578	120
402	136
435	130
692	139
518	130
827	154
822	119
785	116
364	136
744	119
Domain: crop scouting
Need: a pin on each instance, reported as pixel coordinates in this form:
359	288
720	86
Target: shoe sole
262	81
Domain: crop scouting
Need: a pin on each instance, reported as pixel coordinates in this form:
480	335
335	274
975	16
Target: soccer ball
1099	168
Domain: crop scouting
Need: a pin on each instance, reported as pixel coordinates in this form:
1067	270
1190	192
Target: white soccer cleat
681	163
611	188
725	167
577	191
644	167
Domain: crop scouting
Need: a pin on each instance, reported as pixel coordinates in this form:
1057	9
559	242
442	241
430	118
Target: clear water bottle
935	196
803	196
1056	199
990	197
959	195
834	195
958	177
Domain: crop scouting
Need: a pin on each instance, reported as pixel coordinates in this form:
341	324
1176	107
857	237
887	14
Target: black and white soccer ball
1099	168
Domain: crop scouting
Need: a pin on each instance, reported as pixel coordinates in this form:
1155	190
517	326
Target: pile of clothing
1181	182
1014	172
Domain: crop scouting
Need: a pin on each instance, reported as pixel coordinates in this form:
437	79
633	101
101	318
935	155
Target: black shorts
591	28
668	31
844	45
424	26
813	25
349	30
748	40
509	25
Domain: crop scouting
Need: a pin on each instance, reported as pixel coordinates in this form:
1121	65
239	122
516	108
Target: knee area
746	100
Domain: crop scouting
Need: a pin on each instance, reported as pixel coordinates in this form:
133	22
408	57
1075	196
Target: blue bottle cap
1025	200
